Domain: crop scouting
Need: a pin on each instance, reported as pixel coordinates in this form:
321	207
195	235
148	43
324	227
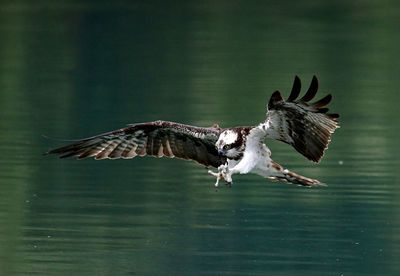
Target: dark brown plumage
306	126
157	139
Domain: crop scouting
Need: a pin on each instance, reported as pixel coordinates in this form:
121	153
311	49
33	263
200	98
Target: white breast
255	154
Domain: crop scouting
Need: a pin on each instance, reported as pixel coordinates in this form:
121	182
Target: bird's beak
221	152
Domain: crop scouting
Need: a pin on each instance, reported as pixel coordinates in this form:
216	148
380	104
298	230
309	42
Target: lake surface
72	69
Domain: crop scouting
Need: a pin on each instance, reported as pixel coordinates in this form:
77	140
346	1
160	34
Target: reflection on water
71	70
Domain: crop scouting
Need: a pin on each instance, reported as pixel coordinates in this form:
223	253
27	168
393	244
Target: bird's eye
226	147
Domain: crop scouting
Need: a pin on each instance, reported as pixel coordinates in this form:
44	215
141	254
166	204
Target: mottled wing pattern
157	139
306	126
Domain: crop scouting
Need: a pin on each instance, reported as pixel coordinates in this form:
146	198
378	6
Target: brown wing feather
306	126
157	139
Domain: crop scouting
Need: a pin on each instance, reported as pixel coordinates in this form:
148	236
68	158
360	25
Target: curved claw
223	173
218	175
213	173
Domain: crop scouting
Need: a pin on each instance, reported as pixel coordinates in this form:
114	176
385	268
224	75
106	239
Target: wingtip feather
312	90
308	125
322	102
295	89
275	99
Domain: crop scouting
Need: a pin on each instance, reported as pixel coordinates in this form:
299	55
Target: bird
307	127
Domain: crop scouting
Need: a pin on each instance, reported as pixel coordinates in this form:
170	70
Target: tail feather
285	175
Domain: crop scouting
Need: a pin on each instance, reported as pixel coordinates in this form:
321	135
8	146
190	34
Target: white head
230	143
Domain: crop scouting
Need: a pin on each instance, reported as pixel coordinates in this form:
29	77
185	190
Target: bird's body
254	157
238	150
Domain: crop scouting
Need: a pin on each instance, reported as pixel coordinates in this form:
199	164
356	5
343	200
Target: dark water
71	69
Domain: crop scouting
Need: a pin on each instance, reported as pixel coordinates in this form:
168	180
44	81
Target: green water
71	69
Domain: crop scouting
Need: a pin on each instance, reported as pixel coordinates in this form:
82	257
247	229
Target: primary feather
159	138
306	126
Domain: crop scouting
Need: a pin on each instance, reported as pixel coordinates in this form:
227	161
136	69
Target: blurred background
72	69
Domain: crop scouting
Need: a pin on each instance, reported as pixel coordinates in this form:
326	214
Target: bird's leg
217	175
226	174
228	177
223	171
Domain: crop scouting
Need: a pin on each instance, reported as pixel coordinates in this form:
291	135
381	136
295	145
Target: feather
159	138
312	90
305	126
322	102
295	89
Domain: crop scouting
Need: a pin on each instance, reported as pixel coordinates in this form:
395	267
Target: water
74	69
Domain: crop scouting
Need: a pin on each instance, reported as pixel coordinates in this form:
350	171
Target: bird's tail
285	175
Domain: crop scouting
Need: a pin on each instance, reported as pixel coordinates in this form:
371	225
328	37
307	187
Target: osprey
305	126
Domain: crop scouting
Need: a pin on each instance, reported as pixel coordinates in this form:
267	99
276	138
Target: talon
229	184
223	173
217	183
213	173
228	178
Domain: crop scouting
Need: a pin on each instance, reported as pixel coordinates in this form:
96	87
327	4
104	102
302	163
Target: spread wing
157	139
306	126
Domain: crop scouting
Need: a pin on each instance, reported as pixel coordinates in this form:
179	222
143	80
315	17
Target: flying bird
306	126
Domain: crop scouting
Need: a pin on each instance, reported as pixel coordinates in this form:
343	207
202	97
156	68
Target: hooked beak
221	152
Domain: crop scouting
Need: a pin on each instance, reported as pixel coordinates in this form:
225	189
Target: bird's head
230	143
